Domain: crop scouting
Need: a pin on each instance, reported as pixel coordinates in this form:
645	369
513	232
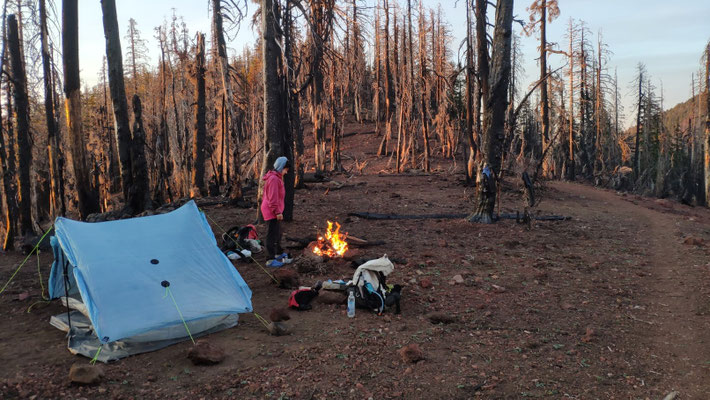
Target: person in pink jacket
272	208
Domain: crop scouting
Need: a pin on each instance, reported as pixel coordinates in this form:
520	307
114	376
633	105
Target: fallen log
375	216
352	241
517	216
314	177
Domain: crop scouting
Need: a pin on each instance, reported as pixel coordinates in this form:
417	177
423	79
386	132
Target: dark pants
273	238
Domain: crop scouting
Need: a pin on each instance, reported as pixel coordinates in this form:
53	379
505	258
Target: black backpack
373	299
235	238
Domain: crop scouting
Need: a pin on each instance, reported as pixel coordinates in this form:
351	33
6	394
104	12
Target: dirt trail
672	314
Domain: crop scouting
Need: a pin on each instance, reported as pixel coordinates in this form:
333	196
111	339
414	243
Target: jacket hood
271	174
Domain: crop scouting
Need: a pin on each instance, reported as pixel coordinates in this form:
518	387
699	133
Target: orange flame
333	244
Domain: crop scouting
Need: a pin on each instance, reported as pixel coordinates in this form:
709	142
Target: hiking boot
284	258
274	263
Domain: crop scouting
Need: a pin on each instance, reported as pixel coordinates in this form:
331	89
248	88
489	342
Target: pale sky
667	37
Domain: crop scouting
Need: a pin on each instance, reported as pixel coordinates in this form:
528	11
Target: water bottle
351	304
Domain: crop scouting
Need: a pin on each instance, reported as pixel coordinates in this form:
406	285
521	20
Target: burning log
332	244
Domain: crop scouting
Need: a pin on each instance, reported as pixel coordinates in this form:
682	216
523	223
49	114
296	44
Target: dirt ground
609	305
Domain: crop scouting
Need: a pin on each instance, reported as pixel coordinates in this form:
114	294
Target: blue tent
118	270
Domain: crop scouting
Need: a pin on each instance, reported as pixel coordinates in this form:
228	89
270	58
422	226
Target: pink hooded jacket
272	202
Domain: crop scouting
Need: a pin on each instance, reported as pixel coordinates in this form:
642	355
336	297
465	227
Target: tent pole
66	292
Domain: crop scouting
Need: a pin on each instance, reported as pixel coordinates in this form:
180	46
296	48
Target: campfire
332	244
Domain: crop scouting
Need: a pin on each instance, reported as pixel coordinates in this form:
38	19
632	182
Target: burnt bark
707	126
139	193
22	127
117	88
276	141
230	120
56	175
495	111
200	128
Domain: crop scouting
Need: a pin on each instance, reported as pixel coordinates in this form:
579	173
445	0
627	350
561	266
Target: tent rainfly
140	284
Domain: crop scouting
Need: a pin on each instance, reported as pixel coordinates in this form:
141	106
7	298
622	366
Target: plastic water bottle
351	304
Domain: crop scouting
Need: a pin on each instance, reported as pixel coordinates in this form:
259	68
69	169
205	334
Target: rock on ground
278	329
411	353
441	318
85	374
205	353
279	314
287	278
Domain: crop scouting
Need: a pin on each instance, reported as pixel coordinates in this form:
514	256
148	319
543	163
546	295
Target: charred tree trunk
200	129
471	165
117	88
8	242
637	150
9	168
494	116
56	176
570	141
423	95
139	193
88	200
707	125
294	117
233	181
389	87
22	126
544	104
275	107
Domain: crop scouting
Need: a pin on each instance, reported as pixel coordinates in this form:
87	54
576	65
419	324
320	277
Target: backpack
370	281
236	238
301	299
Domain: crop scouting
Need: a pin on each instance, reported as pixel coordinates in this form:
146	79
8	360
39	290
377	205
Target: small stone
411	353
85	374
279	314
498	289
278	329
458	279
693	241
287	278
441	318
23	296
425	283
205	353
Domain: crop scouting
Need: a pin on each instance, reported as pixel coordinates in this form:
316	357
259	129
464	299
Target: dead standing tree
200	130
278	140
22	126
707	125
135	191
495	107
542	12
88	201
389	85
218	32
56	175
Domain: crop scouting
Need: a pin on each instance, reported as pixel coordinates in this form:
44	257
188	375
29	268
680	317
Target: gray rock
85	374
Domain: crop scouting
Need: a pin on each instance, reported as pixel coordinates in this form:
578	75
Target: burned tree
56	175
707	125
229	116
22	126
117	88
88	201
200	130
547	10
494	107
276	138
